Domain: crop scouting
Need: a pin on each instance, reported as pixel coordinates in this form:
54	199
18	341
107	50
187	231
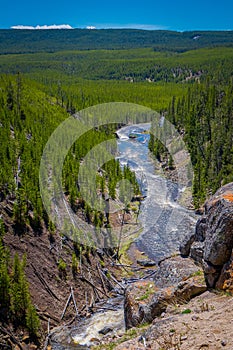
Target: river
164	222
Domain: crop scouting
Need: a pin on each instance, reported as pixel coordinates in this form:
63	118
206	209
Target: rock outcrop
177	280
174	270
212	243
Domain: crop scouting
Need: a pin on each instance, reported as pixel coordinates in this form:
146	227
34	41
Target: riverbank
203	323
182	313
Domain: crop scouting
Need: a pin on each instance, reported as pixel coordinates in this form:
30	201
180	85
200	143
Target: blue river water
165	222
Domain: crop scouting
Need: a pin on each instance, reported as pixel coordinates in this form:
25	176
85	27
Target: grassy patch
130	334
149	291
186	311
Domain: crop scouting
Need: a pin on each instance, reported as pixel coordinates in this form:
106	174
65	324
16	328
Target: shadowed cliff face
212	243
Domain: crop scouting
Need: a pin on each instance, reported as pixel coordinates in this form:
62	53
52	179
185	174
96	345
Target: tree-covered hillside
132	65
205	119
31	41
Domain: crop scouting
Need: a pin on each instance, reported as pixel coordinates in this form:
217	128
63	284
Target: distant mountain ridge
30	41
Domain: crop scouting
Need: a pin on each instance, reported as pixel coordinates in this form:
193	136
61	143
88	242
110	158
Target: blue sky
146	14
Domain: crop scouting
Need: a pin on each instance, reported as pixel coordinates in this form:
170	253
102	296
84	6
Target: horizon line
124	28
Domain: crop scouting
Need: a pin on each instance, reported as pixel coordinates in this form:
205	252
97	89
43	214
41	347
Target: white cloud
145	26
54	26
90	27
22	27
131	26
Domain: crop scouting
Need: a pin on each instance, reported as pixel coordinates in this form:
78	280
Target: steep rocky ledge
211	244
205	262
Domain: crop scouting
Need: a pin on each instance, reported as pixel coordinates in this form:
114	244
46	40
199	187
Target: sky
179	15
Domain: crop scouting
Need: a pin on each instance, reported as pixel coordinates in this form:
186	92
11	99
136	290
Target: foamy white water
164	221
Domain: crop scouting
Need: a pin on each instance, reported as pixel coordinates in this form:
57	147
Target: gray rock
211	279
211	274
137	313
195	317
213	242
208	268
190	288
105	330
224	342
186	244
197	251
138	293
174	270
200	230
156	307
219	235
146	263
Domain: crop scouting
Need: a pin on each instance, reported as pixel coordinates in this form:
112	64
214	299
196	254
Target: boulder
174	270
136	295
213	241
211	273
138	312
157	305
219	234
176	280
225	280
198	236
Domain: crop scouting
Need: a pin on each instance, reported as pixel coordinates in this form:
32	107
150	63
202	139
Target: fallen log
44	283
101	278
82	278
103	308
74	301
66	306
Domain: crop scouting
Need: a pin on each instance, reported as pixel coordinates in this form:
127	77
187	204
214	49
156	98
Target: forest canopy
26	41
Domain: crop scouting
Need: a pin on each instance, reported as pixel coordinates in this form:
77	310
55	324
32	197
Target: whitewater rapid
165	222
